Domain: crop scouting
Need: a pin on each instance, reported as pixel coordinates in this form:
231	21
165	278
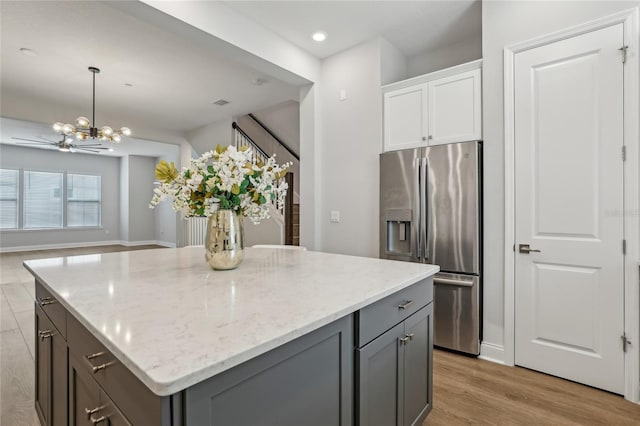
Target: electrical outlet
335	216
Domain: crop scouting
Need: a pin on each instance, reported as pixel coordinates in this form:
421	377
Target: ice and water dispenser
398	231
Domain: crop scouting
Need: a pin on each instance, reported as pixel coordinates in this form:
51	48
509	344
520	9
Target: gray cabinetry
51	371
394	370
305	382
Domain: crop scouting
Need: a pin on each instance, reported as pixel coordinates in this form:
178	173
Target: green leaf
210	168
262	200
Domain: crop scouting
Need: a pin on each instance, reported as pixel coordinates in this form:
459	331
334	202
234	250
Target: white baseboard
59	246
492	352
138	243
166	244
85	244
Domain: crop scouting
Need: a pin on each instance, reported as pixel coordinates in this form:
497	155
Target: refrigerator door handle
417	210
424	195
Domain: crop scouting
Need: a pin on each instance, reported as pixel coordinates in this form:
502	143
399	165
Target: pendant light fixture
84	129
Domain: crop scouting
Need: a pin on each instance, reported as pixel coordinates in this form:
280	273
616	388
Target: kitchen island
155	337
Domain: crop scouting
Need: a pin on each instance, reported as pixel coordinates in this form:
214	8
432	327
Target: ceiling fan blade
45	139
31	141
87	149
84	144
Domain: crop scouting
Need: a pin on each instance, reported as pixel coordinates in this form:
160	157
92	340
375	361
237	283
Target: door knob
524	248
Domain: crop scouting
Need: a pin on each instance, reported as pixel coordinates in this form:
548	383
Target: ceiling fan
65	145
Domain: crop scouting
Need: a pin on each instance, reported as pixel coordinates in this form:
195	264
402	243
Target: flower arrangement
226	178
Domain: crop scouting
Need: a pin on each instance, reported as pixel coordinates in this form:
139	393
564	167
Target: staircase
289	215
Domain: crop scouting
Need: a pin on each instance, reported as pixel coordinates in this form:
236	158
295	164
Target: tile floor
17	294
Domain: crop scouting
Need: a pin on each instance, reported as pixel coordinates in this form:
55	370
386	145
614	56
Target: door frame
631	24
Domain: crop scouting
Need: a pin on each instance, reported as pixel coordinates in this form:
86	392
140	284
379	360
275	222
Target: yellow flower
166	172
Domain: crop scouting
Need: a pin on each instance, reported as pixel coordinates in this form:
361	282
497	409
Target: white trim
85	244
421	79
166	244
630	20
138	243
492	352
59	246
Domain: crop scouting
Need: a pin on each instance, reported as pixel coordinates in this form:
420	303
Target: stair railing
285	213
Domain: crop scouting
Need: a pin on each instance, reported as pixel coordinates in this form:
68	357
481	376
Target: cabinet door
44	330
455	108
84	395
405	118
112	416
418	355
380	369
58	377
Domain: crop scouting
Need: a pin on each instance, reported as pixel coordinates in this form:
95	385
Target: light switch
335	216
343	94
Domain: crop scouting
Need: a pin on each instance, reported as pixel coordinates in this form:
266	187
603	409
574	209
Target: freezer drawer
457	312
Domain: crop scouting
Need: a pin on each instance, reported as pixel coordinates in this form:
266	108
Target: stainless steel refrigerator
430	212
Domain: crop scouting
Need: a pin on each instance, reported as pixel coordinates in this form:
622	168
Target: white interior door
569	202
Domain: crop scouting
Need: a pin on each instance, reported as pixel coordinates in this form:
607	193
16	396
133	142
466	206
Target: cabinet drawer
375	319
129	394
54	310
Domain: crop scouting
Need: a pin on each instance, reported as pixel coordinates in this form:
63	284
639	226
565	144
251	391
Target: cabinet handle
410	336
424	138
45	334
404	340
95	355
47	301
96	368
405	305
98	420
90	412
430	137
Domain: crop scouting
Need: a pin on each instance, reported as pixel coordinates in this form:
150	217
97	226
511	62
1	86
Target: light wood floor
466	390
473	391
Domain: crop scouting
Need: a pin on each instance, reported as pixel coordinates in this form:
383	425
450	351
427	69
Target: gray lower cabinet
394	384
51	369
306	382
88	403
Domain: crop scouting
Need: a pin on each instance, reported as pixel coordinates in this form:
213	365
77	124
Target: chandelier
84	129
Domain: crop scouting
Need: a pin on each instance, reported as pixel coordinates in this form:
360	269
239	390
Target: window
83	200
42	200
8	199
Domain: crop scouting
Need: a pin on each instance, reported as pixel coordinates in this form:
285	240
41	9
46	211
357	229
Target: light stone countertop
174	322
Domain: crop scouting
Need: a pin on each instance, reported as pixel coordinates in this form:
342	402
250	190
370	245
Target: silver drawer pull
95	355
404	340
90	412
98	420
97	368
447	281
47	301
410	336
45	334
405	305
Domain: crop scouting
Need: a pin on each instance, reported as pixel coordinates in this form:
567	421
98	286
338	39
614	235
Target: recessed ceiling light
27	52
221	102
319	36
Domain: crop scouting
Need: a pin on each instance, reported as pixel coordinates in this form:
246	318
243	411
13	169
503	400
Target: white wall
124	198
506	23
16	157
351	131
393	63
283	119
464	51
167	222
141	217
206	138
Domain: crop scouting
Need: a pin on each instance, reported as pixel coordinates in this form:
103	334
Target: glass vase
224	242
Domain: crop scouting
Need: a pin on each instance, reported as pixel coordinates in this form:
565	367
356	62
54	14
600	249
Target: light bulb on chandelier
84	129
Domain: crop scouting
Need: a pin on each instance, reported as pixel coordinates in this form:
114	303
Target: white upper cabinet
437	108
405	118
455	108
